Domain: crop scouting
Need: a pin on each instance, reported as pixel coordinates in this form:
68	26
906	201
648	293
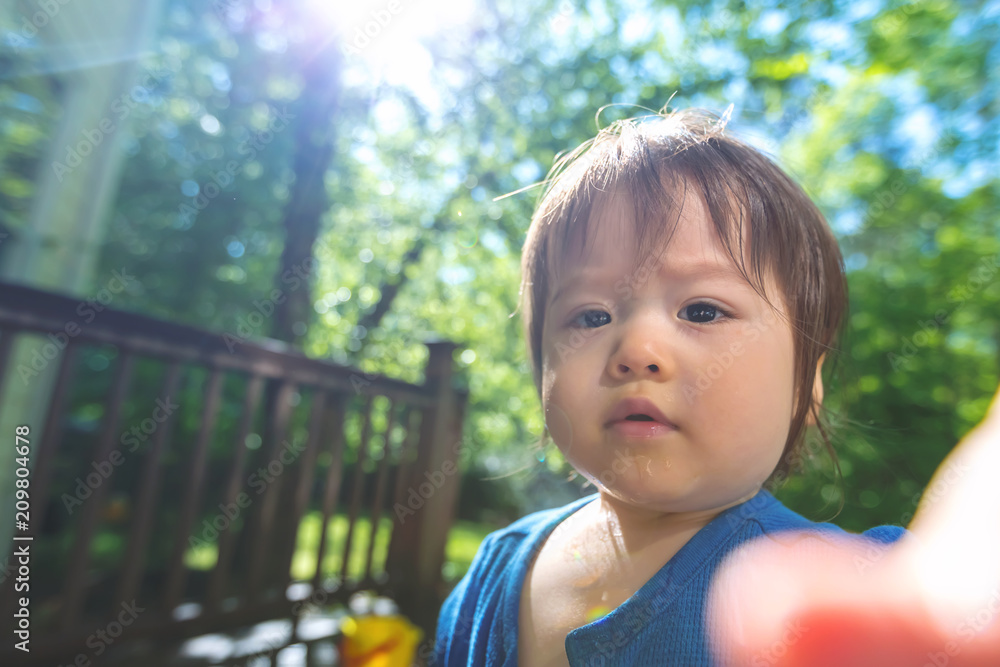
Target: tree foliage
887	114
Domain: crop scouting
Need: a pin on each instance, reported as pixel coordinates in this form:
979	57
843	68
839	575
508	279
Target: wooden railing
185	473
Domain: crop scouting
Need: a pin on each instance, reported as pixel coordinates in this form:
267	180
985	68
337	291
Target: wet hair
650	164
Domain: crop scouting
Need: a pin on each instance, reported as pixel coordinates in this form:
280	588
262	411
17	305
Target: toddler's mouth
639	417
638	409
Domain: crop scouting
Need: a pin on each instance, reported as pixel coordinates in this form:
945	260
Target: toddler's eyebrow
686	272
690	270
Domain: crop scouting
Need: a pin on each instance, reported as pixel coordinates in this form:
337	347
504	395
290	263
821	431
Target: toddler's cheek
562	428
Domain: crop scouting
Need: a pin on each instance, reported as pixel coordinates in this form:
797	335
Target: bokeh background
372	139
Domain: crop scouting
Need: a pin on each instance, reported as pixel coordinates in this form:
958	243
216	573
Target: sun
385	32
386	40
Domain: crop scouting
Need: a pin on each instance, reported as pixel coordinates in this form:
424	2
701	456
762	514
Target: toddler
680	293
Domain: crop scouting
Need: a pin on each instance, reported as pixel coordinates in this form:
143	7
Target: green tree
886	115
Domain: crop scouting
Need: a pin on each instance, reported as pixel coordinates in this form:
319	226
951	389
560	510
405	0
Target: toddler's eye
703	313
591	319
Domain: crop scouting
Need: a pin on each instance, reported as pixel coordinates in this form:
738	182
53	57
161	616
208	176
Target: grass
463	542
304	560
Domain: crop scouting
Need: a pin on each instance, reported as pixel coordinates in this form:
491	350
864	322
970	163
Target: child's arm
933	599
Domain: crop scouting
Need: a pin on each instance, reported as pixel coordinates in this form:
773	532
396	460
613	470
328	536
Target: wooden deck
176	471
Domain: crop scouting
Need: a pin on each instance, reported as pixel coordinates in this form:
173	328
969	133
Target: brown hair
647	161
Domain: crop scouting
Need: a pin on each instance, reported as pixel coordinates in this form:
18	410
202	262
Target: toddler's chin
672	499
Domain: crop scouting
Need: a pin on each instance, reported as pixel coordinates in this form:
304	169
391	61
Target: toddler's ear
817	394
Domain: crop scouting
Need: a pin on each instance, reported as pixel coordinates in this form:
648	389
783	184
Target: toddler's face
690	343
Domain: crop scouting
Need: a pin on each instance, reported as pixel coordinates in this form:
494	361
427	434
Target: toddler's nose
648	369
644	343
640	357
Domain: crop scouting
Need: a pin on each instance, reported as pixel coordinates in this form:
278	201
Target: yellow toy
379	641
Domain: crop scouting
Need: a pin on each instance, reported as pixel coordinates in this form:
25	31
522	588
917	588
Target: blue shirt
663	623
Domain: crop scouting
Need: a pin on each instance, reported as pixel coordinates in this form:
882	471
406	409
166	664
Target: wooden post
423	517
92	47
